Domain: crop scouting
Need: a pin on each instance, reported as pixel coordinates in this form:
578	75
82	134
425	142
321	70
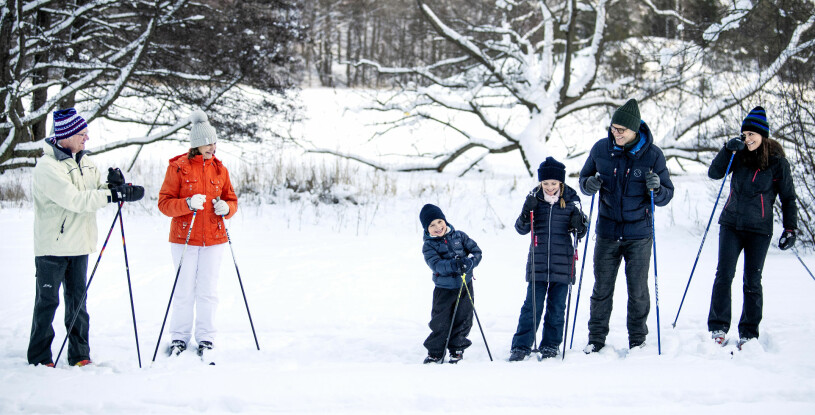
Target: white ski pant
196	292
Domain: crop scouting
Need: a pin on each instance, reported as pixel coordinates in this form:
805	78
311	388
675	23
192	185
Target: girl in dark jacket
760	173
554	208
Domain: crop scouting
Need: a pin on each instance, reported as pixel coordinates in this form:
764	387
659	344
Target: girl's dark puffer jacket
554	253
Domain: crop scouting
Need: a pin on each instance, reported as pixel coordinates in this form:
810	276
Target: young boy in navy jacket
449	254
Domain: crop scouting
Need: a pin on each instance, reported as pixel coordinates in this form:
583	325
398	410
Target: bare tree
103	56
524	67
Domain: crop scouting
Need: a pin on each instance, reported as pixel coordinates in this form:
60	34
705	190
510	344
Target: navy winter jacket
554	253
753	191
625	204
440	253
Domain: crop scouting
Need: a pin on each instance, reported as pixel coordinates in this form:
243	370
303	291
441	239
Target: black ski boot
431	359
548	352
455	356
176	347
518	355
593	347
205	352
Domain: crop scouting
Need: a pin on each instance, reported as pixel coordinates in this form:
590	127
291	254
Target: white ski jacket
67	195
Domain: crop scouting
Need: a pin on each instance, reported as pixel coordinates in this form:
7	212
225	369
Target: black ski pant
441	315
51	272
608	253
731	243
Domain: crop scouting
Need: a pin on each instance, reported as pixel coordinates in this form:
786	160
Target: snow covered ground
340	297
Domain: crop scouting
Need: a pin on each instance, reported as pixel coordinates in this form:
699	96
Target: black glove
593	184
577	220
464	264
735	144
652	181
126	193
578	223
115	177
787	239
530	204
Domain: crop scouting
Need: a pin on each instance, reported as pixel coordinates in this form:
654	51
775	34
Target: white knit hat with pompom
201	133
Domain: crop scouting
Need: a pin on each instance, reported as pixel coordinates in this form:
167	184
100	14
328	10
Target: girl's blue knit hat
551	169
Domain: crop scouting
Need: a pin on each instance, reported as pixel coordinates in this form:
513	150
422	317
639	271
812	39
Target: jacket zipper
549	245
204	190
62	228
762	195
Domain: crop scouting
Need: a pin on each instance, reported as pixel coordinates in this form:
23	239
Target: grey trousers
608	253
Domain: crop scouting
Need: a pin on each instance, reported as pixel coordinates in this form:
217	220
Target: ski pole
85	294
223	217
533	281
177	273
656	279
129	287
569	303
450	331
464	283
582	266
795	251
704	237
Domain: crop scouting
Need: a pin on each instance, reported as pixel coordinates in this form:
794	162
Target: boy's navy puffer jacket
440	253
554	254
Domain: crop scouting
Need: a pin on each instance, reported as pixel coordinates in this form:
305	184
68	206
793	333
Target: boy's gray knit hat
201	133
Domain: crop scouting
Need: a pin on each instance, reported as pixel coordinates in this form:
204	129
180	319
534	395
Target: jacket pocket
218	227
61	230
609	181
180	228
189	187
217	185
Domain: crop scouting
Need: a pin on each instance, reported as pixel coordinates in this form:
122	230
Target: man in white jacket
67	190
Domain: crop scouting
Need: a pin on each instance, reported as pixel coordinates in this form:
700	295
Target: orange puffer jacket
186	177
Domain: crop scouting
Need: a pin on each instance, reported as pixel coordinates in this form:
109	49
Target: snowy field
340	297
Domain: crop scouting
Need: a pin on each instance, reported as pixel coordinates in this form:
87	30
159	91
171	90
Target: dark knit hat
551	169
67	123
430	213
756	122
628	115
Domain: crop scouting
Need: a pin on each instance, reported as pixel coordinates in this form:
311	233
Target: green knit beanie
628	115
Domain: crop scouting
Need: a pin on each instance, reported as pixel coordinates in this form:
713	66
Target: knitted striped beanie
67	123
756	121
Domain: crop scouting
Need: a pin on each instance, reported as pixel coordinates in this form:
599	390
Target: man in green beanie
624	167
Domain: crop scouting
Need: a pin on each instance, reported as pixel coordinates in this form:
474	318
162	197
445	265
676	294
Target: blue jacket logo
637	173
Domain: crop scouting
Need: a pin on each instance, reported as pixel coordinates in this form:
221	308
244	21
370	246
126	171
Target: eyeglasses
618	130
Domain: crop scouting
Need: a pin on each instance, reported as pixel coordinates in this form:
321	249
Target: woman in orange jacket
197	182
